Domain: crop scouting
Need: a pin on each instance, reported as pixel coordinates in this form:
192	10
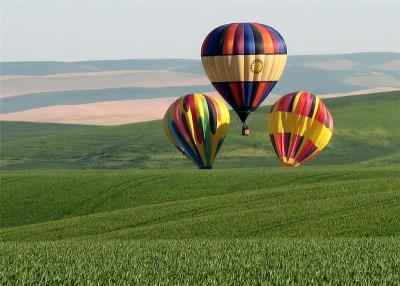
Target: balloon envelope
197	125
244	61
299	126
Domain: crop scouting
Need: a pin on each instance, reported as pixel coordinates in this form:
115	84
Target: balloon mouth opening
290	164
243	114
206	167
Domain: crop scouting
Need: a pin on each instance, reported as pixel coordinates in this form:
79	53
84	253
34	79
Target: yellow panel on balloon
232	68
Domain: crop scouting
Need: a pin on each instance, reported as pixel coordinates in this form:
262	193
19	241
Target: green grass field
207	262
365	132
85	205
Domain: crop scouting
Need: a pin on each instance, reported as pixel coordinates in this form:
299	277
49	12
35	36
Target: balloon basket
290	164
245	131
205	167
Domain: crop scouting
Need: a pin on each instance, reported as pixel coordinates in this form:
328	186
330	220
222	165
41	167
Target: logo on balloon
256	66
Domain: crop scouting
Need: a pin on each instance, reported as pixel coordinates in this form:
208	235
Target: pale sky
87	30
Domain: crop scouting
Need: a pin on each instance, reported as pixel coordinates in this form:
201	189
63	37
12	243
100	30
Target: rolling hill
250	203
119	205
47	68
29	89
365	133
31	101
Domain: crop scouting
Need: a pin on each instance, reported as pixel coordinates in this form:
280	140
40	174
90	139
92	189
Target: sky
87	30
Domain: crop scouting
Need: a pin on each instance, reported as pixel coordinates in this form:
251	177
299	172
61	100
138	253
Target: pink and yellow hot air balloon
299	126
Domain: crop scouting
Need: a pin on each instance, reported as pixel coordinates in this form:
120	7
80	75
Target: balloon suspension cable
245	129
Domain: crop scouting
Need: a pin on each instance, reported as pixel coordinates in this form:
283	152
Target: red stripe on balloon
308	103
306	148
281	144
284	103
191	103
321	113
295	140
267	39
235	93
274	41
315	153
330	121
301	104
229	39
238	47
262	87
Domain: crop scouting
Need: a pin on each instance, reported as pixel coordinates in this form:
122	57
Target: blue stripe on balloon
279	41
211	48
249	47
248	88
183	145
224	90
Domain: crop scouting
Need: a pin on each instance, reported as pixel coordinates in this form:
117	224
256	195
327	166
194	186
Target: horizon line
194	59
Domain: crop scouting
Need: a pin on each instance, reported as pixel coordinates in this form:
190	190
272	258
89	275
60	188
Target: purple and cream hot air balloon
244	61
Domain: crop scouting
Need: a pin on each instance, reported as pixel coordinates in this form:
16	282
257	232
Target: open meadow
100	205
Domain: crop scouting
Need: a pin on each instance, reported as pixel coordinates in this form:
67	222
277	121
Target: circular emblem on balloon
256	66
244	61
299	127
197	125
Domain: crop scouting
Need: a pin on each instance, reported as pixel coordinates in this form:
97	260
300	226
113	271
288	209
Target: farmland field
85	205
208	262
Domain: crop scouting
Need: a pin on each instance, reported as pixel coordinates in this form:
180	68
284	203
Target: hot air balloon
299	126
244	61
197	125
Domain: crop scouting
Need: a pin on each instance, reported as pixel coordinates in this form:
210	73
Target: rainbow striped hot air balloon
244	61
299	126
197	125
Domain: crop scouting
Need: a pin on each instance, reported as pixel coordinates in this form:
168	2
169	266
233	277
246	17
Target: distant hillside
364	62
53	67
74	97
365	132
29	86
340	73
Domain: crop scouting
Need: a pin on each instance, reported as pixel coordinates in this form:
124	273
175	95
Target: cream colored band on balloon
244	67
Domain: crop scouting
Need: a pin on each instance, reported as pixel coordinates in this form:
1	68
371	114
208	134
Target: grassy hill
202	262
365	133
75	208
233	203
251	226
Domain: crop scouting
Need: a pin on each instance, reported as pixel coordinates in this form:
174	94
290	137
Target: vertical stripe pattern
299	127
243	39
244	61
197	125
